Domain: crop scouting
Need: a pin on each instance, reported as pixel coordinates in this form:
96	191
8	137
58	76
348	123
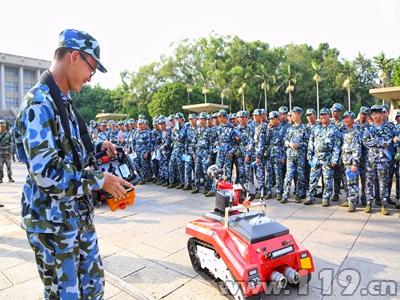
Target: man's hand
109	148
247	159
353	169
115	185
333	165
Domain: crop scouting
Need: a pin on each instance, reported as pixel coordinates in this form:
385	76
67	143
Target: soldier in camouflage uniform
378	139
190	146
276	153
362	125
176	165
296	142
165	150
202	154
338	173
351	156
142	145
227	138
156	138
103	135
260	150
311	116
246	133
5	151
57	210
323	156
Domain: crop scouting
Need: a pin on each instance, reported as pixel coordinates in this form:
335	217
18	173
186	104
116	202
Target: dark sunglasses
93	70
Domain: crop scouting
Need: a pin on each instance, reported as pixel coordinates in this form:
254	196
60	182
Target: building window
11	87
29	79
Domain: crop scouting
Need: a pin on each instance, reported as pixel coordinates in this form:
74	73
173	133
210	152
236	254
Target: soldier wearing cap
396	164
190	149
228	137
323	156
203	158
260	150
165	150
351	157
338	174
274	139
176	167
379	140
245	150
57	208
5	152
142	145
156	138
103	135
296	141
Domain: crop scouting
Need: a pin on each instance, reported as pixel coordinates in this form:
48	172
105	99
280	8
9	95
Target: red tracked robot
246	253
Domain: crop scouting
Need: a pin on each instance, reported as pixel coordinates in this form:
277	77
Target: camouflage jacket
52	197
204	140
379	142
141	142
191	140
275	141
324	144
298	135
226	135
178	137
351	147
5	143
246	139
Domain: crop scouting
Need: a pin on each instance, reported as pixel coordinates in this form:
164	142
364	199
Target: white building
17	75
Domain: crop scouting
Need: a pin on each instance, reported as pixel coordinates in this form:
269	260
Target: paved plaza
144	248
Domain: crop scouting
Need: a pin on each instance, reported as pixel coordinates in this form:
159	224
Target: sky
135	33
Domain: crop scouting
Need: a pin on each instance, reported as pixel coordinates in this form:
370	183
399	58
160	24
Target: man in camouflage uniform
378	139
296	142
103	134
227	138
165	150
362	124
323	156
156	138
176	165
57	210
202	154
245	152
351	157
276	153
190	146
260	150
5	151
311	116
338	174
142	145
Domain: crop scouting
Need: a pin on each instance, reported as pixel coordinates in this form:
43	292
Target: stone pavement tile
4	282
323	269
124	263
376	254
102	231
28	290
121	296
143	250
384	239
299	234
9	258
17	239
21	273
344	222
196	290
333	238
170	242
27	255
325	252
4	221
179	262
110	290
157	280
107	248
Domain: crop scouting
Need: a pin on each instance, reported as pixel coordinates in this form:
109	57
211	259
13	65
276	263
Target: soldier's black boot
171	185
279	197
10	179
335	198
187	187
1	205
1	180
397	205
179	186
195	191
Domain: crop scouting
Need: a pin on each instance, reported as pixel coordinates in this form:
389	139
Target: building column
21	86
2	88
38	74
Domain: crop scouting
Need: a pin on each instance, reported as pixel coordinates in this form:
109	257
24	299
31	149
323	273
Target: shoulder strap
55	93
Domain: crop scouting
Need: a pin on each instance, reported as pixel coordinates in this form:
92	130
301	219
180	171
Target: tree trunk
317	99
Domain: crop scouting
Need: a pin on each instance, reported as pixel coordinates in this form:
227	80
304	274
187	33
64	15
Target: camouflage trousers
69	264
275	171
5	159
324	169
224	162
245	174
295	168
163	168
351	186
338	176
378	172
176	166
144	165
155	168
201	165
260	175
363	179
189	169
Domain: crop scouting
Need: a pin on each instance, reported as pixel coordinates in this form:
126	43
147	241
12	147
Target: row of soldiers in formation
275	150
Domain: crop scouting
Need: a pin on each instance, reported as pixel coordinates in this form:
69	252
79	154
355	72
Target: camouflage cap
179	115
336	107
273	114
376	108
263	111
310	111
364	110
223	113
242	114
324	111
397	114
349	114
232	116
215	115
385	108
192	116
141	121
161	119
2	121
283	110
171	117
203	115
257	112
297	109
81	41
141	116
